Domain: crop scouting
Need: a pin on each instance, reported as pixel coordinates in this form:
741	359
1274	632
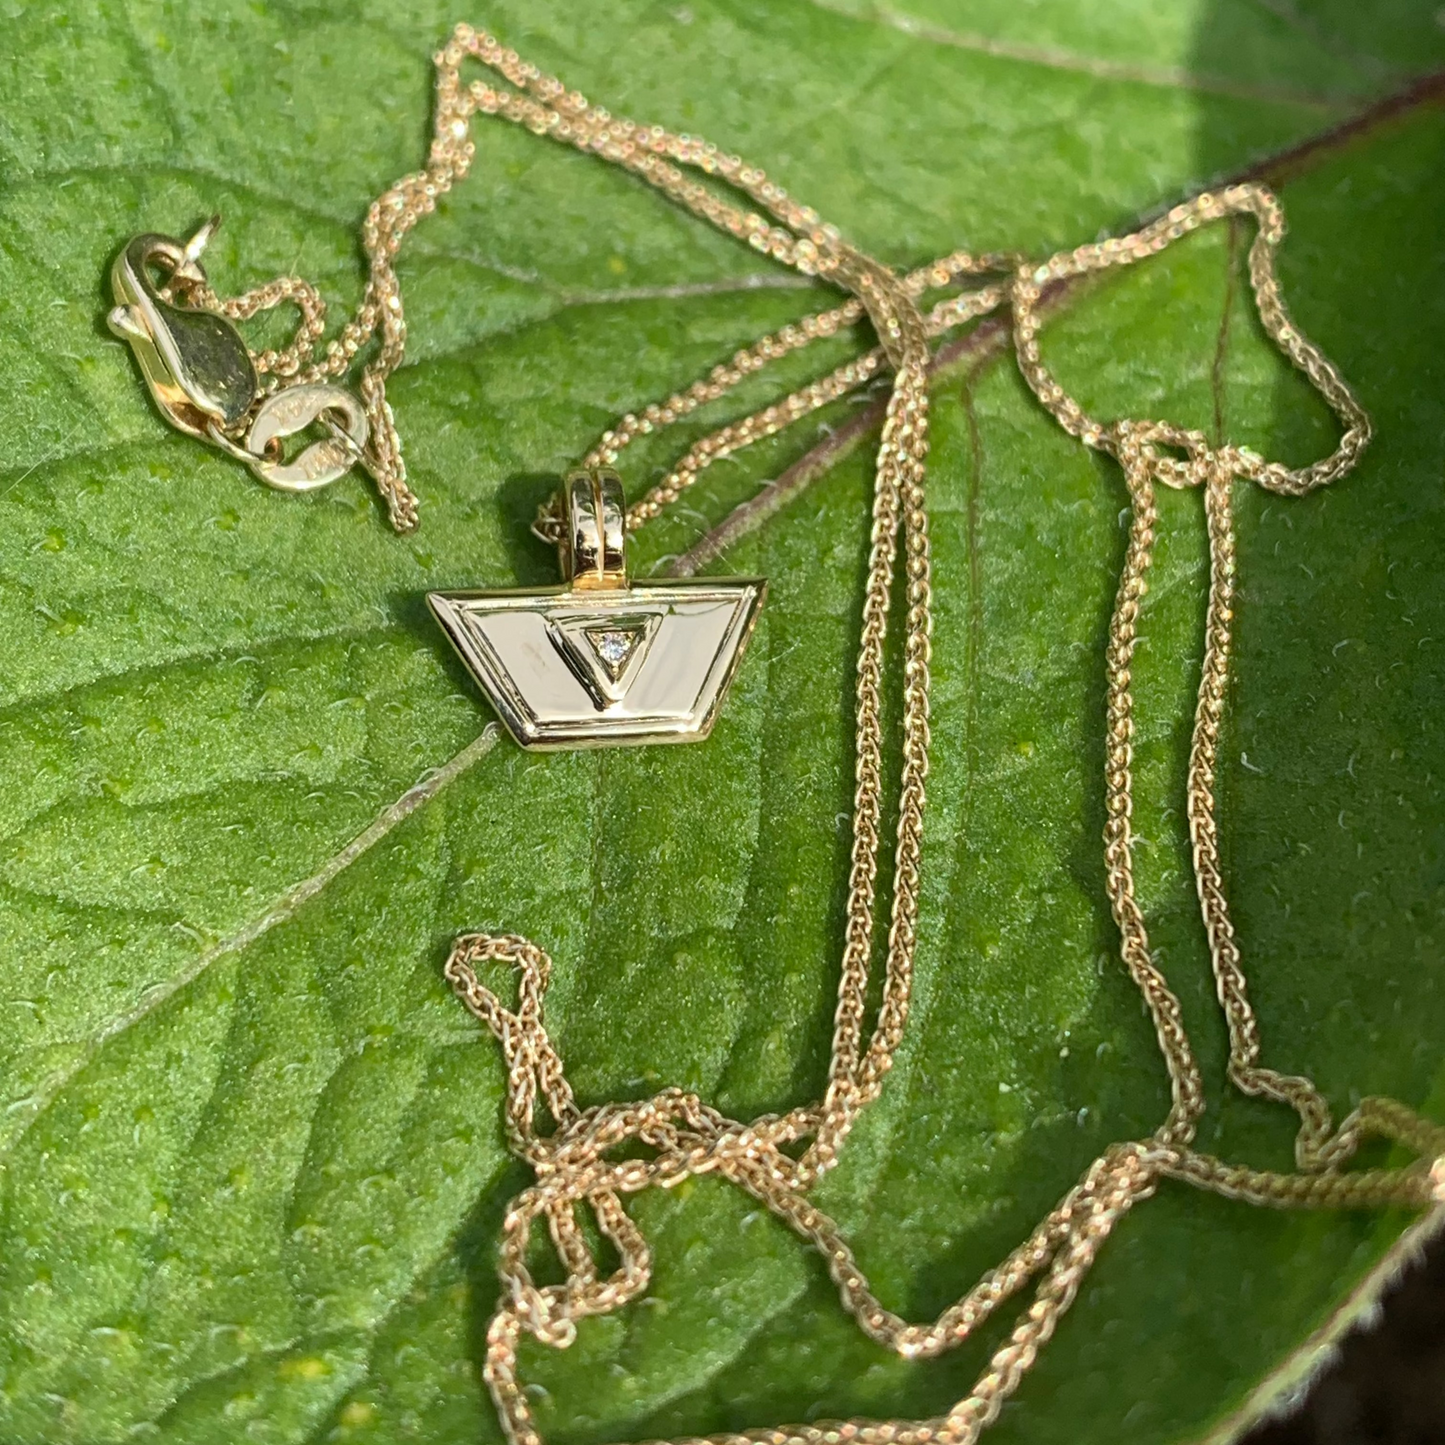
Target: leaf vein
1048	57
281	909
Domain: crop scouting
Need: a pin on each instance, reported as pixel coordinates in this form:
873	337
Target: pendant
602	662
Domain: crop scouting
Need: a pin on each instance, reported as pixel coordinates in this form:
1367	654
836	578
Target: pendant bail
594	539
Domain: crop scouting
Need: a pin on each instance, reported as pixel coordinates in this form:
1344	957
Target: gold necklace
686	1135
574	1162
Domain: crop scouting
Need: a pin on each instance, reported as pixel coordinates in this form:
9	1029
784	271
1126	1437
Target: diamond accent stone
613	646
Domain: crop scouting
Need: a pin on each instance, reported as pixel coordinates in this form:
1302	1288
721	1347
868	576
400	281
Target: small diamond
613	647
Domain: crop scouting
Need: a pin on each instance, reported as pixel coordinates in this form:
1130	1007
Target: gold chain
685	1136
773	419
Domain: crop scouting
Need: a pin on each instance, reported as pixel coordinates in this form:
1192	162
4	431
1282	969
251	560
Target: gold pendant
603	662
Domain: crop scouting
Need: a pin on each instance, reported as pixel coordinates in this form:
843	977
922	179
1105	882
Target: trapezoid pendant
603	662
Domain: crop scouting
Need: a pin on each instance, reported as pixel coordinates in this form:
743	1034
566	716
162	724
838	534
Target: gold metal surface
601	662
546	660
293	409
593	542
194	361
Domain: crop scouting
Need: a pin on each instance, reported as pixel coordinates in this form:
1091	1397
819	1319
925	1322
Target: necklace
576	1161
686	1135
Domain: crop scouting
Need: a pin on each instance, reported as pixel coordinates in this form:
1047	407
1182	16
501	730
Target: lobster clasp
195	362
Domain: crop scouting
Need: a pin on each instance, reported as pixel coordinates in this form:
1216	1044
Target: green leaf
253	1160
